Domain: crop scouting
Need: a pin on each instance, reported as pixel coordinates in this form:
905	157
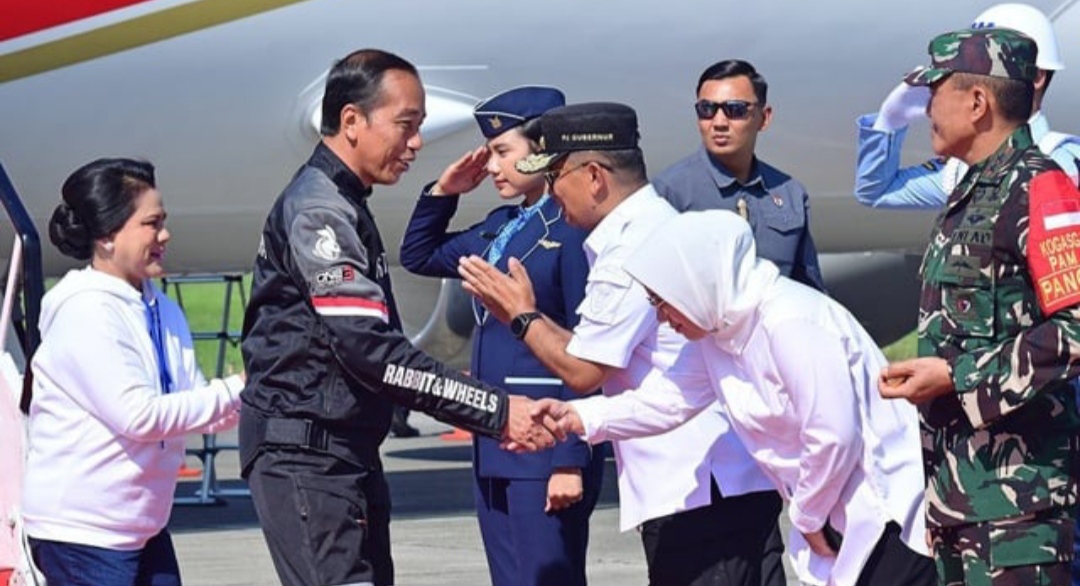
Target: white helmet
1030	21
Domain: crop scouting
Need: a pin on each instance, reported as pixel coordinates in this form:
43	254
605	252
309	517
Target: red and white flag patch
1053	248
350	306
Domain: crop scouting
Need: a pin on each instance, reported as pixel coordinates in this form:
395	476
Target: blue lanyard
512	227
157	336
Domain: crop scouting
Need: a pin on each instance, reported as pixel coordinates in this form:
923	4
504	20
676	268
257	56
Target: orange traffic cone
456	435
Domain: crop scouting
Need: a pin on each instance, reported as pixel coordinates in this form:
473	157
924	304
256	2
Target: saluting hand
917	380
464	174
521	430
503	295
904	104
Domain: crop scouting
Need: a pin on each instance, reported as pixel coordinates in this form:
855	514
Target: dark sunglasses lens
706	109
736	109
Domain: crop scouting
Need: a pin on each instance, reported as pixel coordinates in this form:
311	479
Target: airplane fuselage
219	95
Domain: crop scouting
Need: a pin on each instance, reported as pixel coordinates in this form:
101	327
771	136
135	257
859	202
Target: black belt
268	432
304	433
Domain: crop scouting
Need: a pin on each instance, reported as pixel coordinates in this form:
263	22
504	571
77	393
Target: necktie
512	227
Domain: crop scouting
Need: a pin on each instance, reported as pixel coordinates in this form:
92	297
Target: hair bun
69	234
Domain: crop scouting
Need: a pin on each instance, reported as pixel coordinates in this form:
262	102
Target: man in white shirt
707	514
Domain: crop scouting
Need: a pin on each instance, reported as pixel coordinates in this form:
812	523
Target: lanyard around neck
511	228
153	318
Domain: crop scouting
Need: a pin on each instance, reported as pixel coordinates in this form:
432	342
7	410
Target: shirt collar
993	169
611	226
350	185
723	177
535	208
1039	125
549	209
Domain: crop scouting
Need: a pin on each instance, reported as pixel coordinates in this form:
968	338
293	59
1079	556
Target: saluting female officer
533	508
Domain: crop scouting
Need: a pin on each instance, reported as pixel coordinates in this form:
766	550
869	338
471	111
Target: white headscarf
705	265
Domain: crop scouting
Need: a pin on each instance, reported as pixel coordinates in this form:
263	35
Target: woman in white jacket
797	376
115	390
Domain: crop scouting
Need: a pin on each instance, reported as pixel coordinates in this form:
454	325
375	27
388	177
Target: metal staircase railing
209	492
25	314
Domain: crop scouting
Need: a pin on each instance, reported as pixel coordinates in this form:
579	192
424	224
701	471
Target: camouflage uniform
1000	304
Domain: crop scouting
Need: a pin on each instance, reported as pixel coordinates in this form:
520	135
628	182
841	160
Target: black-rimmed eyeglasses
555	174
733	109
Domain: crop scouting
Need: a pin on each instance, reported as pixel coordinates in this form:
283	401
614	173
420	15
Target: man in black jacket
323	349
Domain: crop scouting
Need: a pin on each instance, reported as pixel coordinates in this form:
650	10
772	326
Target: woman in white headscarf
798	378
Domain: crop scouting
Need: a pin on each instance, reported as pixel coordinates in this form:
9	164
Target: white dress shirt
667	473
797	376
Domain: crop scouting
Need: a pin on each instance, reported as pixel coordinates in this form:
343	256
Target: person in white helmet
879	180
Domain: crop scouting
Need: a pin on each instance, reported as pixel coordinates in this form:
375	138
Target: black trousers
735	541
326	521
892	562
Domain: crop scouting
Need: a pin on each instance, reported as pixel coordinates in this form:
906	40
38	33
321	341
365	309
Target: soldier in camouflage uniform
999	326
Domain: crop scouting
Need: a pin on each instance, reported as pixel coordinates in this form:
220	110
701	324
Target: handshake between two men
537	424
533	425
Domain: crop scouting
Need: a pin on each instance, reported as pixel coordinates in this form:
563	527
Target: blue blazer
552	252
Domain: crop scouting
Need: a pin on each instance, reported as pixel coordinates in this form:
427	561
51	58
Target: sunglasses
733	109
554	175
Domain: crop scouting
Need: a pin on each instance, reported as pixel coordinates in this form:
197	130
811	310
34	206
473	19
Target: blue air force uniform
775	204
523	544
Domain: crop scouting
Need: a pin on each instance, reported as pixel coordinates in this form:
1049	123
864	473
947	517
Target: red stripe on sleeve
350	306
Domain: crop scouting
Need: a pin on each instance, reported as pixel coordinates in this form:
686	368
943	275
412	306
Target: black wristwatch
520	324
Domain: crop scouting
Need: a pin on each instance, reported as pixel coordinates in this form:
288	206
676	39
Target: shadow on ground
415	493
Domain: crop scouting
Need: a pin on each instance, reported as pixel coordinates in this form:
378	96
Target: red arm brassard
1053	247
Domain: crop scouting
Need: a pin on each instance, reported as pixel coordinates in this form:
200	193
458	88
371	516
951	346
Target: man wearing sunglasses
706	513
725	173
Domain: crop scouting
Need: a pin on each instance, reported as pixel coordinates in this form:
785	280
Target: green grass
903	348
203	304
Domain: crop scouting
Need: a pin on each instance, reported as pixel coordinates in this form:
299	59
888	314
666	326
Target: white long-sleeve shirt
668	473
833	454
797	377
105	442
